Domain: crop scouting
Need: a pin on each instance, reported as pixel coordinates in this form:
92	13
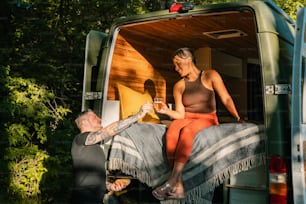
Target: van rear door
92	94
298	129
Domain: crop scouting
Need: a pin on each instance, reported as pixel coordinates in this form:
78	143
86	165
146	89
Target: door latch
278	89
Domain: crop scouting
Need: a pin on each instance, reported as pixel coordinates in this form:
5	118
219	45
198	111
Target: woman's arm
220	89
179	111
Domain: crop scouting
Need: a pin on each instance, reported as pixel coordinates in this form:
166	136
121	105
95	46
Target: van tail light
278	180
181	7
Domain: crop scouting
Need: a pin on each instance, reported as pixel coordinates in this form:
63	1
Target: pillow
131	101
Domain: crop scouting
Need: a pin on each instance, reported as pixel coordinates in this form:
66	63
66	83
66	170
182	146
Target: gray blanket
218	152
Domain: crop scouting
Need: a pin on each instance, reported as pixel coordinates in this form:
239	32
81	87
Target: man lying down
218	152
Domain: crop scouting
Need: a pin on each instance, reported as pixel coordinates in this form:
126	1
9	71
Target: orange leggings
181	132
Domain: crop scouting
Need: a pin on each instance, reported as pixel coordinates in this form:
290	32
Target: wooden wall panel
131	69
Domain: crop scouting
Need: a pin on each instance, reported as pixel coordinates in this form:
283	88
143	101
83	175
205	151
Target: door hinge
278	89
93	95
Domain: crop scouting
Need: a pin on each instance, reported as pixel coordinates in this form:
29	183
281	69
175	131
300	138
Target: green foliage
32	117
26	175
33	110
290	6
19	134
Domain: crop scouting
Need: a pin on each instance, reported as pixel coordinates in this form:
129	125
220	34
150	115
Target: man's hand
118	185
145	108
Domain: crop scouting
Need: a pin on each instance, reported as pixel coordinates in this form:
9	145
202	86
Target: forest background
42	52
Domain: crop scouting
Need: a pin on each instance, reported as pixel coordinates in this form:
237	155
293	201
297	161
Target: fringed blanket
218	152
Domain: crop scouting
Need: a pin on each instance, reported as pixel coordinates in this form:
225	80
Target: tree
32	115
41	64
290	6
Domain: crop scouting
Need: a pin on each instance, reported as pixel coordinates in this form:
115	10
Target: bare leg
176	176
176	181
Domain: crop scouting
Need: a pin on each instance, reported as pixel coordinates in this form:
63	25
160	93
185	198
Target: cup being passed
158	103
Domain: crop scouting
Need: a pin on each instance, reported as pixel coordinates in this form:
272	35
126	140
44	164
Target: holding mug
158	103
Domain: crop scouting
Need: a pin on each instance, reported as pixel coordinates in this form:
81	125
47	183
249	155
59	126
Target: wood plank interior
131	69
143	51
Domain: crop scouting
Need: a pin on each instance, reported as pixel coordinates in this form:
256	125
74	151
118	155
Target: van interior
225	41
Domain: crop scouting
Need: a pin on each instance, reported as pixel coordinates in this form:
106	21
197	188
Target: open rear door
92	97
298	131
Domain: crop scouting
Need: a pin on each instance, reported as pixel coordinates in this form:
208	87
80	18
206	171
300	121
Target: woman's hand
240	120
161	108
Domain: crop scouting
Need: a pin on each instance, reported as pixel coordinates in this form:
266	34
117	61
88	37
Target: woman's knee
187	130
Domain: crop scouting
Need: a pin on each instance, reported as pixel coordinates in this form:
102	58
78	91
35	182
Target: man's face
94	120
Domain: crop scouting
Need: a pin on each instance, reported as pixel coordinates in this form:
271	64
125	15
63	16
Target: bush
28	134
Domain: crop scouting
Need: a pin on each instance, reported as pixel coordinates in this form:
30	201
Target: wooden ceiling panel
188	32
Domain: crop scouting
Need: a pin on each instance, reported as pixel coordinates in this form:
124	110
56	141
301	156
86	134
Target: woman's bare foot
161	192
169	191
177	193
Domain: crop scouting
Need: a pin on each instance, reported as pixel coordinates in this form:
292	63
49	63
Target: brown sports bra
197	98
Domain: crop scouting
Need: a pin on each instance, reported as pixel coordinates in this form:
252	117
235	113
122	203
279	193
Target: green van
260	53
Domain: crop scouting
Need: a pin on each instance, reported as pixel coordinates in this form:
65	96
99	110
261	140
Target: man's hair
184	52
81	117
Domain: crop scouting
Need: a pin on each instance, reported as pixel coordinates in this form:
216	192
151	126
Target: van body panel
276	68
298	131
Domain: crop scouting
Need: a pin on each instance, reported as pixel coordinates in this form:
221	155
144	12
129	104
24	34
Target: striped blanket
218	152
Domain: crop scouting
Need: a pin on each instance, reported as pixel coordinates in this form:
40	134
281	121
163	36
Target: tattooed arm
98	136
116	127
